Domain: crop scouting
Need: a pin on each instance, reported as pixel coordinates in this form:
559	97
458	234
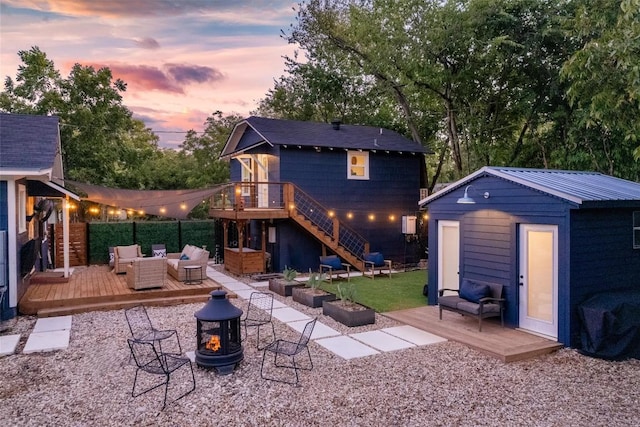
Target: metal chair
143	330
259	313
289	349
148	359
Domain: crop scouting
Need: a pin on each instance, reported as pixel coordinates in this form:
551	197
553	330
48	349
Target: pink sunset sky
181	59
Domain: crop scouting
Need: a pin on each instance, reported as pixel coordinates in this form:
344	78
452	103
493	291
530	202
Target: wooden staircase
339	238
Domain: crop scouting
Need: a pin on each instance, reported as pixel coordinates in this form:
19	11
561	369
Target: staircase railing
324	220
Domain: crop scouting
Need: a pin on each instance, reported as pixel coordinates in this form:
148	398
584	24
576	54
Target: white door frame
263	179
538	279
448	254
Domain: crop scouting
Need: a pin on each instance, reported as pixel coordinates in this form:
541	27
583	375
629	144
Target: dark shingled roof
28	142
315	134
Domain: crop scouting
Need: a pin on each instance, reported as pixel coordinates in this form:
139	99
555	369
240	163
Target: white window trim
22	208
365	157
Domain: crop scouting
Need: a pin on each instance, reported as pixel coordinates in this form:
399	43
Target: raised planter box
349	315
282	287
308	297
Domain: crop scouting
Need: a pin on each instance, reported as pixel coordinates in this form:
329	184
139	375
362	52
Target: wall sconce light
467	200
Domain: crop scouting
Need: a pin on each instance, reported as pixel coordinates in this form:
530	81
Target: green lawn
401	291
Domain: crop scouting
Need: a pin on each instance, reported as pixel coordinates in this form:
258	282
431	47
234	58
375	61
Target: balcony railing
242	196
249	195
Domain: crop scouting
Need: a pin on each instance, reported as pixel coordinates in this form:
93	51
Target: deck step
119	305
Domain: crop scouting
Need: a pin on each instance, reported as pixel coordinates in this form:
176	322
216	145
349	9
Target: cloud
172	78
147	43
193	73
231	10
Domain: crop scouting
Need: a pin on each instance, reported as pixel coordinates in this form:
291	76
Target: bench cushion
450	301
332	261
376	258
472	291
473	308
127	251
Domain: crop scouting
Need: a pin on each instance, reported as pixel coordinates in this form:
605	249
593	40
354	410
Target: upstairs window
357	165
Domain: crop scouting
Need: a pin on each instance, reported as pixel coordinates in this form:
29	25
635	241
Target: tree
101	142
475	80
206	149
604	85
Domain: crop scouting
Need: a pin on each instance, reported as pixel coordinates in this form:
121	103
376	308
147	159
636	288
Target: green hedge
174	235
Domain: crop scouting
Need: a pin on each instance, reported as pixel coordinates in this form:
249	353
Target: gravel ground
443	384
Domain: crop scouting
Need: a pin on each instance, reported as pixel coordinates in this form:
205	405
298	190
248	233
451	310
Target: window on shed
357	165
636	230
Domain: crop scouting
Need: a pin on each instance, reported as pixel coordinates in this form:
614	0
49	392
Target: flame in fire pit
214	343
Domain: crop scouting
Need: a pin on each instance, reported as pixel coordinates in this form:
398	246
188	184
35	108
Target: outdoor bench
474	298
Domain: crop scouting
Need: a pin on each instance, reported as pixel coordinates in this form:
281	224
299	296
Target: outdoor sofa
474	298
190	255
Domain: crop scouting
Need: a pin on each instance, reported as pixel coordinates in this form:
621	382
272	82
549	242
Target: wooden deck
508	345
96	287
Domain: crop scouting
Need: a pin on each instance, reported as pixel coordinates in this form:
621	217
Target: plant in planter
285	286
312	295
346	310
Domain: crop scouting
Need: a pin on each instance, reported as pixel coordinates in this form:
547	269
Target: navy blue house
303	189
30	169
551	238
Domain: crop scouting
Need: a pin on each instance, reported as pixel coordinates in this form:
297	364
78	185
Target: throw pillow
184	257
472	291
160	253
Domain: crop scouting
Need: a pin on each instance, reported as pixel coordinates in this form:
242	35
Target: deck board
97	287
507	344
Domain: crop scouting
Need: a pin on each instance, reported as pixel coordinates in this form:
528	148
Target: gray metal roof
574	186
28	142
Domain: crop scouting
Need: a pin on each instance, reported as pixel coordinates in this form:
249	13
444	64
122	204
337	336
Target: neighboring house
30	162
552	238
321	188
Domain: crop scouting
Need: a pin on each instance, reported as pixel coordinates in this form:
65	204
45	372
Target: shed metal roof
579	187
323	135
